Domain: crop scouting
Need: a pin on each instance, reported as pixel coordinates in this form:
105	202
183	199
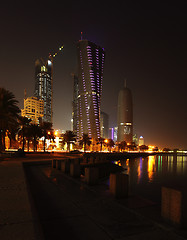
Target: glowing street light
56	133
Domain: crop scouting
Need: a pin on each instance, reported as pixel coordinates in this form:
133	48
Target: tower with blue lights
90	76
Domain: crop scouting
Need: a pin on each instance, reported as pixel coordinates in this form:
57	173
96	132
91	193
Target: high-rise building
125	115
43	86
75	104
104	125
33	109
115	134
111	133
141	141
90	76
135	139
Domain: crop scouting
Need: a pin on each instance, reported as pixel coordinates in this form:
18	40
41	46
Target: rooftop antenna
25	93
81	36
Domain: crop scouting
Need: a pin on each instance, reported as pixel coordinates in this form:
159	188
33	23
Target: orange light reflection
150	167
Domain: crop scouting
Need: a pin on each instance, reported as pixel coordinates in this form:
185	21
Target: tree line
12	124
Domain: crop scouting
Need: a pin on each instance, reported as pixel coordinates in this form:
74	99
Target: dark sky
145	42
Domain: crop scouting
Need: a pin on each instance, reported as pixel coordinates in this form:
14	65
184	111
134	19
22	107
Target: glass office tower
90	76
125	115
43	86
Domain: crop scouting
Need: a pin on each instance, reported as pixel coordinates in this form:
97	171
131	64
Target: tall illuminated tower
43	86
104	124
75	103
125	115
90	76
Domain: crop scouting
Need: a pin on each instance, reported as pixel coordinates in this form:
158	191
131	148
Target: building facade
90	76
75	104
125	115
44	86
141	141
33	109
104	125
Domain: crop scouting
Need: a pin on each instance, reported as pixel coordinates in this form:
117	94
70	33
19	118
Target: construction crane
52	56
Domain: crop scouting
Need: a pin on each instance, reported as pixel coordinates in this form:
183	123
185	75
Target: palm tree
12	135
28	136
45	128
110	143
36	134
85	141
68	137
132	146
144	148
101	142
122	145
24	123
8	114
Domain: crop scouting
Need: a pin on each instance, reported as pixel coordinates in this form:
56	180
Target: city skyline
144	42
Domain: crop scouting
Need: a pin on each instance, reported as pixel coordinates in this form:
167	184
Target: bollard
54	163
97	159
75	170
91	175
65	166
85	159
92	159
174	206
76	160
58	164
119	184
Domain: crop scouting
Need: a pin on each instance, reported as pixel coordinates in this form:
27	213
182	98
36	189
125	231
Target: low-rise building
33	109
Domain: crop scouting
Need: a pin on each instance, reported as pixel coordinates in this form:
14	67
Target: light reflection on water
148	175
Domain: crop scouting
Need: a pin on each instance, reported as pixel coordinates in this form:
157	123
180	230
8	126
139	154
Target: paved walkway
66	209
16	219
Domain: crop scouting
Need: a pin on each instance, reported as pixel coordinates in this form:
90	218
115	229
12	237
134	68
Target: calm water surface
148	175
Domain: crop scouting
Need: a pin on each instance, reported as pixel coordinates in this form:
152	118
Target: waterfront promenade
36	203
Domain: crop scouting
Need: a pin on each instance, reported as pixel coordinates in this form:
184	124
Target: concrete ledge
174	206
119	184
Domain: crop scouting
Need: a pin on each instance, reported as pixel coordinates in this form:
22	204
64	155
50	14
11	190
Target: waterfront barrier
76	160
174	206
114	156
95	158
58	164
92	171
54	163
119	184
91	175
104	169
75	170
65	166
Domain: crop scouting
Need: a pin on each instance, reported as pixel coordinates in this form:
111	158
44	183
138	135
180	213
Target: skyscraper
125	115
43	86
75	103
90	76
104	125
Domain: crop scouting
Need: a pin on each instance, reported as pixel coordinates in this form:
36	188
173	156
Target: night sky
145	42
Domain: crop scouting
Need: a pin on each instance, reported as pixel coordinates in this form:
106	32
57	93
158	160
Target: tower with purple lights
90	76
